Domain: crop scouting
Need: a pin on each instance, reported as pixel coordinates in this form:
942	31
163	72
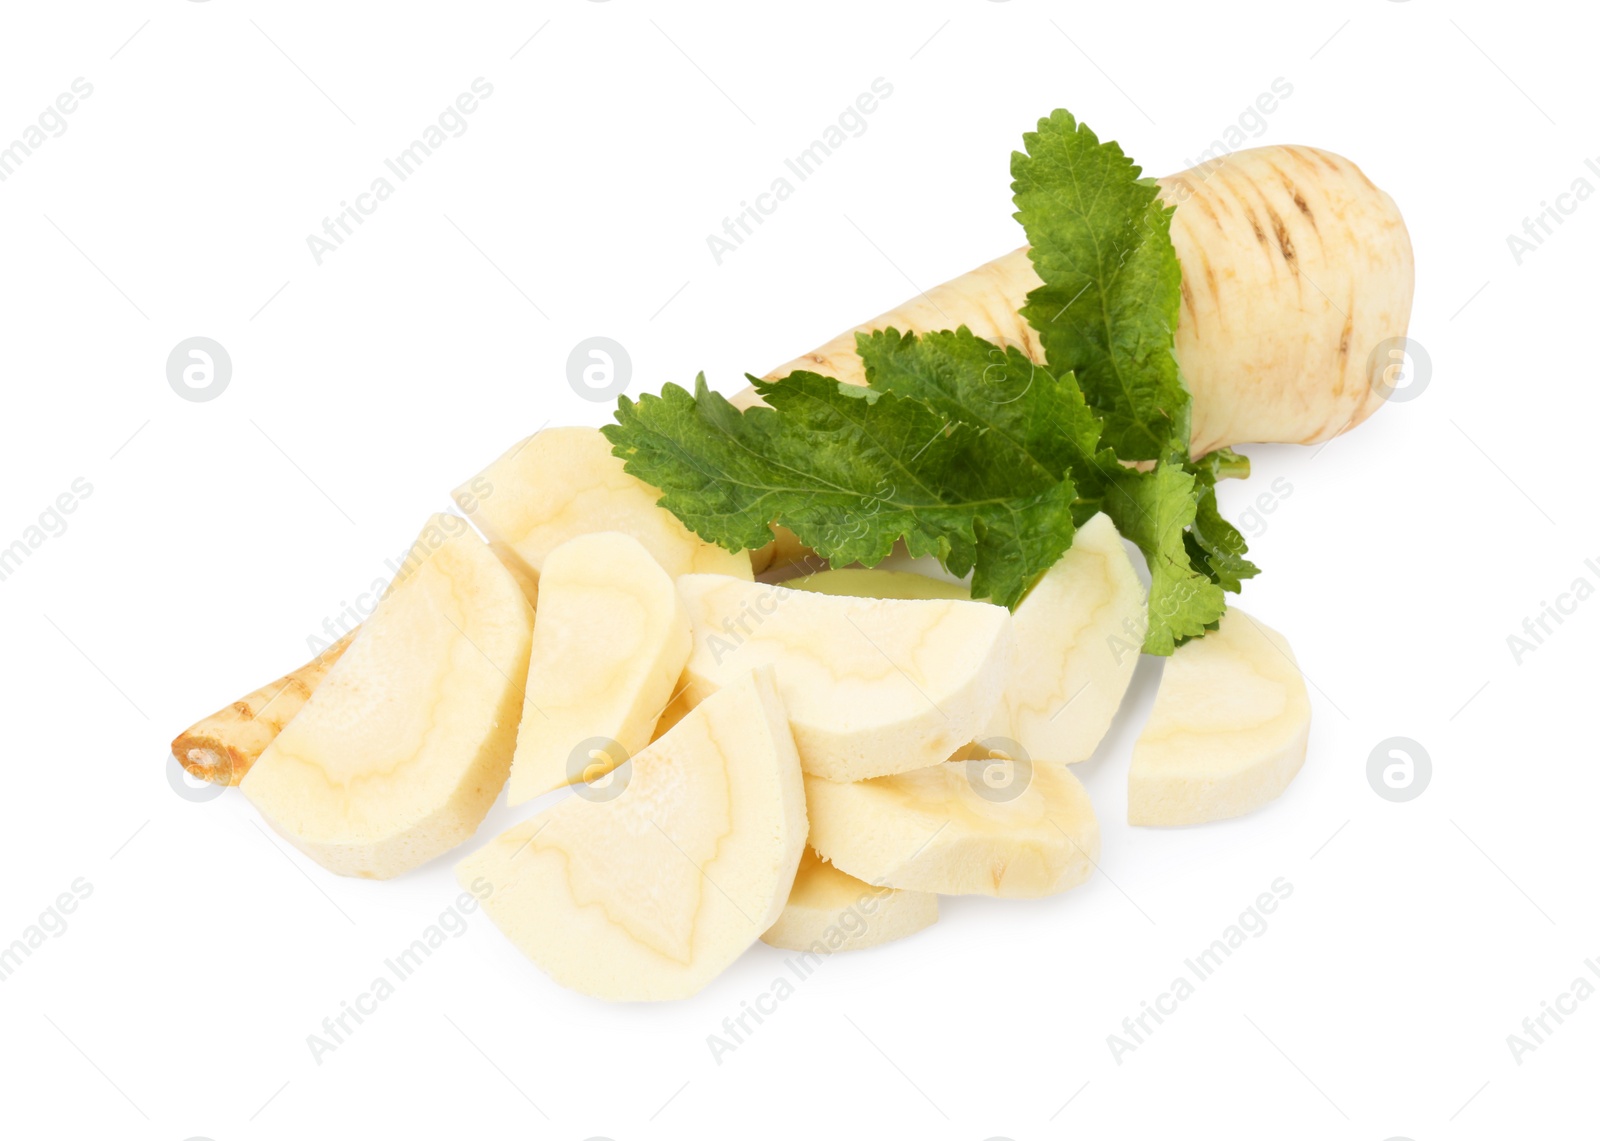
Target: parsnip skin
1295	268
221	748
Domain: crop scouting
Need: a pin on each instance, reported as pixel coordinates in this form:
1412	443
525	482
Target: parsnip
611	638
1079	632
1228	731
650	894
871	686
398	755
830	910
955	830
1295	268
564	482
221	748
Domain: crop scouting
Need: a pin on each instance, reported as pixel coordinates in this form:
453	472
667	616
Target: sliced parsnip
1228	731
406	743
830	910
872	686
609	642
987	827
222	747
650	893
859	582
563	482
1078	637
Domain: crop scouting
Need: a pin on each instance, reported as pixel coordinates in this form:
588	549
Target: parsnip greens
972	452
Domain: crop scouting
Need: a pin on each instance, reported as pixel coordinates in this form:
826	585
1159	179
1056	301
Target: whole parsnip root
221	748
1296	269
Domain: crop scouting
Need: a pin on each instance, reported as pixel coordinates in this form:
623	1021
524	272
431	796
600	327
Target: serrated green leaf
1108	308
850	471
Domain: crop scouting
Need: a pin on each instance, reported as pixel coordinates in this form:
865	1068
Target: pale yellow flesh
872	686
609	641
1079	633
1295	269
860	582
650	895
829	910
401	750
1228	731
564	482
932	830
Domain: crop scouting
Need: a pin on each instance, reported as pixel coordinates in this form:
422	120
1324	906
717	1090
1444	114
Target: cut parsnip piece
990	827
649	893
1078	637
406	743
872	686
859	582
1228	731
830	910
609	642
221	748
564	482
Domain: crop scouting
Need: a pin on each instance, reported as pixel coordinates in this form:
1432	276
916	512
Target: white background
219	535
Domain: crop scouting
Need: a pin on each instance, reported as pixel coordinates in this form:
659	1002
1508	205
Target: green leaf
850	471
1220	548
1032	421
1108	308
1155	510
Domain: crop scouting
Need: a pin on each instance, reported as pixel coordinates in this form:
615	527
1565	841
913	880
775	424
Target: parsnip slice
650	894
860	582
1228	731
1079	633
609	641
1018	830
563	482
872	686
401	750
830	910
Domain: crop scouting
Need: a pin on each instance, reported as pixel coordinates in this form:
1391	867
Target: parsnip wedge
1079	632
872	686
649	894
1228	731
609	641
563	482
859	582
401	750
830	910
1013	829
